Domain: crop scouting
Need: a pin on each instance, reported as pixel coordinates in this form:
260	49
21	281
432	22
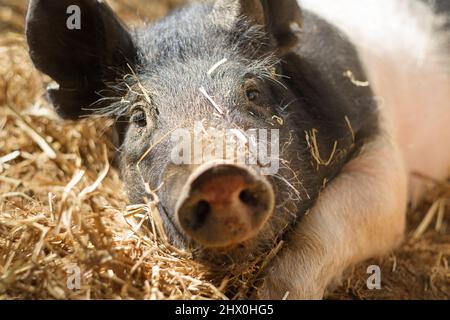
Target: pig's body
404	47
339	211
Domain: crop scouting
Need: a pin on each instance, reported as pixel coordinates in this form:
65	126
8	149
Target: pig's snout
224	205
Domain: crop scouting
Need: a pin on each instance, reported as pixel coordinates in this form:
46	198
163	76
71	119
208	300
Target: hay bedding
62	206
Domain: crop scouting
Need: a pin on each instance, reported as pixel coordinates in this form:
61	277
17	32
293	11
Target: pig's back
405	50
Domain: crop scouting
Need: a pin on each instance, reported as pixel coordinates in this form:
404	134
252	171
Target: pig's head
207	66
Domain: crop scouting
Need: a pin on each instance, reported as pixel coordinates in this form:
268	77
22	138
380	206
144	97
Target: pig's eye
139	118
253	95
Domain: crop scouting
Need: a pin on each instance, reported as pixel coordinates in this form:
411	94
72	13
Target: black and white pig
352	120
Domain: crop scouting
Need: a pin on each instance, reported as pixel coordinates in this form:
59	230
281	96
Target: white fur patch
406	54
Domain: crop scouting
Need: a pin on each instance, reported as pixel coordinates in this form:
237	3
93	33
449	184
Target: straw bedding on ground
62	208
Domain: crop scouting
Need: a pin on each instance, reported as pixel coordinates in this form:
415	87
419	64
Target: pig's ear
280	18
82	45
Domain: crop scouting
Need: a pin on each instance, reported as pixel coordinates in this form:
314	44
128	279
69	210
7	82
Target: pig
349	128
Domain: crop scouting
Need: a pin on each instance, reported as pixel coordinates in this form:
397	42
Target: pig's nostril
248	198
202	211
224	205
